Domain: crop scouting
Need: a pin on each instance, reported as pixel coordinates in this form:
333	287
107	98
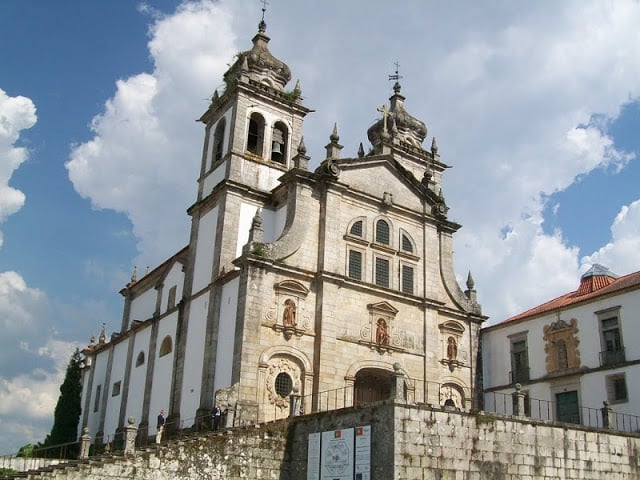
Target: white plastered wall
100	366
192	377
113	402
163	371
205	250
175	277
226	334
143	306
138	374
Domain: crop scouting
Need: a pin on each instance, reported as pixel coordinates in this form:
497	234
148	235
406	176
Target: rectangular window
617	388
407	279
96	401
355	264
382	272
519	361
611	339
115	390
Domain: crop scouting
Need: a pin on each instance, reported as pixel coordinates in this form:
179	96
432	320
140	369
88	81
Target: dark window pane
382	232
407	279
407	246
356	229
382	272
355	264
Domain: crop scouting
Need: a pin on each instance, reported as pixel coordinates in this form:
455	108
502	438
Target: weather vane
264	7
395	76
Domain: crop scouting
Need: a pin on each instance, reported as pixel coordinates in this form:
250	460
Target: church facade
294	281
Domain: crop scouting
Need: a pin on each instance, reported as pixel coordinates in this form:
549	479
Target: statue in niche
382	332
452	348
289	314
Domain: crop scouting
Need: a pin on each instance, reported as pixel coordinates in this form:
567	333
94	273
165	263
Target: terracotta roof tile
590	289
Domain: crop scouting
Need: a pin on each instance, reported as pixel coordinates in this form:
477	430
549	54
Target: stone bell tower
251	130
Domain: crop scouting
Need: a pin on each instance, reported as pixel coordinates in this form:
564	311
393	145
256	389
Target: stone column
607	415
294	403
130	433
397	384
85	443
519	406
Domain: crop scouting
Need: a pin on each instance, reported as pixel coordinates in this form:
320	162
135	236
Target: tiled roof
591	287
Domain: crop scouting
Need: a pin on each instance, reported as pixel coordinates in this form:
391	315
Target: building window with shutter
617	388
382	272
382	232
407	279
355	264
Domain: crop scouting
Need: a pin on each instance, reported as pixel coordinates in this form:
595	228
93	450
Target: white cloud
16	114
32	363
623	251
144	157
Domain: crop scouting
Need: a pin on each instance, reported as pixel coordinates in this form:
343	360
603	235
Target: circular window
283	384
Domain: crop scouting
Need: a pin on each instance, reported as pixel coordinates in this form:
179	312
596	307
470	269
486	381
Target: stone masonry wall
407	443
255	453
434	444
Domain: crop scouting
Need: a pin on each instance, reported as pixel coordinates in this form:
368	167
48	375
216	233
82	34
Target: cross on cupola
262	26
395	77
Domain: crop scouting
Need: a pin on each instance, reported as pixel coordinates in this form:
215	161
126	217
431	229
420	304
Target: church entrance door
372	385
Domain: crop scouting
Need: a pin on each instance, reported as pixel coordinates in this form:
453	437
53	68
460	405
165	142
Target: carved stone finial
470	282
302	149
215	95
334	137
245	65
434	146
360	151
297	90
134	274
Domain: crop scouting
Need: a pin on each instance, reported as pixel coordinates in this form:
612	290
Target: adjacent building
294	281
571	354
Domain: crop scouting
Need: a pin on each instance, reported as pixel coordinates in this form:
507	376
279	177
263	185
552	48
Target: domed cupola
259	64
397	124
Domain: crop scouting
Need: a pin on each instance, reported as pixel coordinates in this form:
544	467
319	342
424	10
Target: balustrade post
519	407
397	384
607	415
85	443
131	431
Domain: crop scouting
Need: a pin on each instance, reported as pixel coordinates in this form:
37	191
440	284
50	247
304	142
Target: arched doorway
371	385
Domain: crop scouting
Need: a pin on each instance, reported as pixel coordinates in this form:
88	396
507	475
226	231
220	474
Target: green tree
68	408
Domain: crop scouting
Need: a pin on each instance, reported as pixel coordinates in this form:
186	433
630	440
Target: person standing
160	425
217	413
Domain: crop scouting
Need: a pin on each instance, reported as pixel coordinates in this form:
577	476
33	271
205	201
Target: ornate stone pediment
561	346
382	308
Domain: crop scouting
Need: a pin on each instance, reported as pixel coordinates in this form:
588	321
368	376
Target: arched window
140	359
279	139
255	137
382	232
218	140
166	346
356	229
406	244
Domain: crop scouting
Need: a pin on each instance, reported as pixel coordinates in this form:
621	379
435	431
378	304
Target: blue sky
534	105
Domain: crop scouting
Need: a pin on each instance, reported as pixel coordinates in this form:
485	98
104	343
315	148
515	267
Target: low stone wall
435	444
252	452
22	464
407	442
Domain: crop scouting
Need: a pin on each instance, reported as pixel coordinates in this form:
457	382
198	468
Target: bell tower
254	125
